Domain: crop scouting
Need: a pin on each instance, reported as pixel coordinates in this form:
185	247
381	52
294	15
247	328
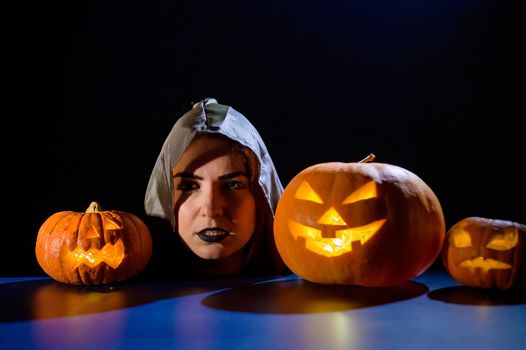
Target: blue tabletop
430	312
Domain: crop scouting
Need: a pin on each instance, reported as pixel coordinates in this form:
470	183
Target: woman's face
213	203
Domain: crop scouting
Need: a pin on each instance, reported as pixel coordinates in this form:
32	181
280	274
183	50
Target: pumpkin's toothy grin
485	264
212	235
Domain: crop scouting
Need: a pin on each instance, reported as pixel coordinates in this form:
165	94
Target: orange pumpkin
363	223
486	253
94	247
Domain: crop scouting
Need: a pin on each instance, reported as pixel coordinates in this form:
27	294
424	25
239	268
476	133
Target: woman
217	186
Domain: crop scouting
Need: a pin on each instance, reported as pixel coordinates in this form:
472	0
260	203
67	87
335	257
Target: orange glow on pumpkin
316	240
367	191
357	223
484	264
306	193
341	244
111	254
93	247
461	238
485	253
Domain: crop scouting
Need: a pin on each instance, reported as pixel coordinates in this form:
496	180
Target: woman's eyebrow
188	176
232	175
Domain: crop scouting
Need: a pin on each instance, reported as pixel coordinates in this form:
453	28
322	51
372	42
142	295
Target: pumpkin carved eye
306	193
504	241
460	239
366	191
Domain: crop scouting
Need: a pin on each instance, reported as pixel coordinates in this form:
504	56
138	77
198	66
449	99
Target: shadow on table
478	296
300	296
44	299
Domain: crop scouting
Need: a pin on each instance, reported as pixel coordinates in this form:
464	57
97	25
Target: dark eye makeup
186	186
234	185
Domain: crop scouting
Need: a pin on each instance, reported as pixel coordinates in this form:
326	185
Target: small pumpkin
93	247
486	253
363	223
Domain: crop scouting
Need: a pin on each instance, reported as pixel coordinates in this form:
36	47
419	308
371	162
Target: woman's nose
212	201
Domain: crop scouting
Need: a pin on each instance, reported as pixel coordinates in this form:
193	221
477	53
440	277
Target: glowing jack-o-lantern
94	247
486	253
362	223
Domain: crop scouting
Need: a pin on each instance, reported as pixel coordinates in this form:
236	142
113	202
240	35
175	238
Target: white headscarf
207	116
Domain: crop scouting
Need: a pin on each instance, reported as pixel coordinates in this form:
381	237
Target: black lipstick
213	234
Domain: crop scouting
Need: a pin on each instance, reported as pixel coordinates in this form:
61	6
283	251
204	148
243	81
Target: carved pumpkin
95	247
368	224
486	253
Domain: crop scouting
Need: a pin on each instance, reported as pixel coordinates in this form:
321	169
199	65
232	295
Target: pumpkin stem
368	159
94	207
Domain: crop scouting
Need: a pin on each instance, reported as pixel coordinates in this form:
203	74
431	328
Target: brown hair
260	252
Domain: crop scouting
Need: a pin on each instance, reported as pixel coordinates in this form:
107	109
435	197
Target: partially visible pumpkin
94	247
363	223
486	253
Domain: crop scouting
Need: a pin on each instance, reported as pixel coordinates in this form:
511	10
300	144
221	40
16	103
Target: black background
95	87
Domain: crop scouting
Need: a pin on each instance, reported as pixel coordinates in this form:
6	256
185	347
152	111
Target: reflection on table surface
430	311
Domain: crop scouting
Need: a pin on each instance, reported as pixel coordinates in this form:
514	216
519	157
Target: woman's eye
235	185
186	186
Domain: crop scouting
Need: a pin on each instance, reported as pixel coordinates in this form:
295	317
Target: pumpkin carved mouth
342	243
485	264
111	254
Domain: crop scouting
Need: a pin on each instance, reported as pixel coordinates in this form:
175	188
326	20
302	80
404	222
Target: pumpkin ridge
74	216
145	239
58	217
131	235
64	269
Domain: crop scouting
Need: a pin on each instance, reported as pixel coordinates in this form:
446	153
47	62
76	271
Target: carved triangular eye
366	191
111	224
93	232
460	239
504	241
305	192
